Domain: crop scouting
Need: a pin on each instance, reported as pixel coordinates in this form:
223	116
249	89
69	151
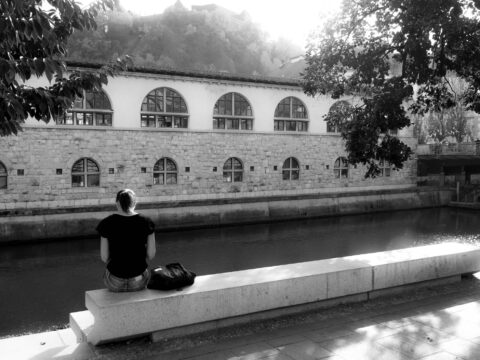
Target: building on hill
182	136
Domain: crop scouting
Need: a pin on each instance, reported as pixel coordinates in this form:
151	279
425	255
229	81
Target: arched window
92	109
233	170
385	168
85	173
3	176
291	169
291	115
164	108
232	112
340	168
339	108
165	172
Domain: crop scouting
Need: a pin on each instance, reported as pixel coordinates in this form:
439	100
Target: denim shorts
117	284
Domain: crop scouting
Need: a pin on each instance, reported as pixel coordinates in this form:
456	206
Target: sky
293	20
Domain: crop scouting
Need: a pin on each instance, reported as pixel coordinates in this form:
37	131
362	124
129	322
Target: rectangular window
302	125
148	121
180	122
158	179
218	123
79	118
227	176
232	124
291	125
237	176
165	121
88	119
279	125
69	118
171	179
3	182
78	180
246	124
93	180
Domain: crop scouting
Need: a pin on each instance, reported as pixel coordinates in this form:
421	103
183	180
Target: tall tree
33	42
395	55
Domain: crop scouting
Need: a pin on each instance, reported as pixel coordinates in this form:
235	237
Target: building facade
172	136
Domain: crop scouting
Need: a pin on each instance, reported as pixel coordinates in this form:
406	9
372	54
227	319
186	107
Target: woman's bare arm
151	249
104	250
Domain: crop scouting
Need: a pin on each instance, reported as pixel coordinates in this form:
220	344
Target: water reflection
42	283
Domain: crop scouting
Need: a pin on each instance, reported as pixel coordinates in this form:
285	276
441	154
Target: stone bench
250	293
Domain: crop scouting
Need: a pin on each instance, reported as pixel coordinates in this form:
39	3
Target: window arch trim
291	169
224	113
233	170
341	168
162	174
87	173
153	110
79	114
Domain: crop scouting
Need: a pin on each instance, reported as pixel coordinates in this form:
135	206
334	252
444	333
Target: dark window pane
165	121
158	179
171	165
295	174
78	180
298	109
79	166
79	117
291	125
88	119
279	125
286	175
283	109
159	165
286	164
237	176
344	173
302	126
337	163
237	164
228	164
295	164
3	182
171	178
92	166
336	173
227	176
3	169
387	171
180	122
69	118
93	180
242	107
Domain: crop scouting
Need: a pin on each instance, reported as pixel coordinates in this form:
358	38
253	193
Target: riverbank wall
42	224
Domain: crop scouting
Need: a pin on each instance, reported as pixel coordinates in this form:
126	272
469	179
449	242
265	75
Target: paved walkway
441	323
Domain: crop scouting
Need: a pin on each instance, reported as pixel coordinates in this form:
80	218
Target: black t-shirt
127	242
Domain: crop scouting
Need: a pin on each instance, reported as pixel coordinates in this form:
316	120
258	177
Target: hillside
206	38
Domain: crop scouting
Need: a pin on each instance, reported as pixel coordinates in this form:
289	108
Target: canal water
42	283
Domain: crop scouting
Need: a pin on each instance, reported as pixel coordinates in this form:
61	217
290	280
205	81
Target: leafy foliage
33	42
205	38
395	55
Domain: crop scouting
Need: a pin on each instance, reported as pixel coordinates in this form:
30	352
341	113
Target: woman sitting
127	241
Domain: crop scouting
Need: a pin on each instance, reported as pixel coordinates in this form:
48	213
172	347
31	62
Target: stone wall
41	151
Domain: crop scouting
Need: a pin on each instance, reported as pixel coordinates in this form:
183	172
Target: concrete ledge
221	299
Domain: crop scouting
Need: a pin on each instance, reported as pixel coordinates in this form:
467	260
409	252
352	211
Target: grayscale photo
239	180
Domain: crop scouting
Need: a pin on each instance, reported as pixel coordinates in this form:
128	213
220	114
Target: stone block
412	265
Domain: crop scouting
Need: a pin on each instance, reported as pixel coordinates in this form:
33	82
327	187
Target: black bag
172	276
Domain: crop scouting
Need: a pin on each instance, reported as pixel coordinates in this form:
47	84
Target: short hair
127	199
